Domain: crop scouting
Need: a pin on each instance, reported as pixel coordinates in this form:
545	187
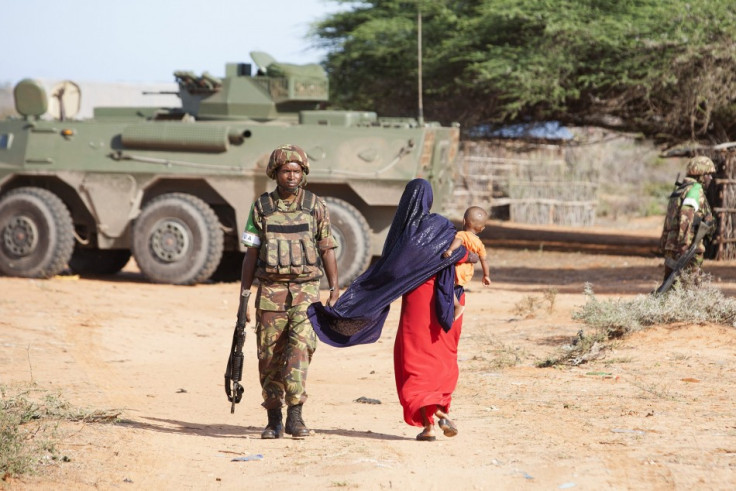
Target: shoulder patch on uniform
693	195
691	202
250	240
695	191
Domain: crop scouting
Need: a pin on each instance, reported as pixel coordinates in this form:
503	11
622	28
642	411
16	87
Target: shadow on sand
236	431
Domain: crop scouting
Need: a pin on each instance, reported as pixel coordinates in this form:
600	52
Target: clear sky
147	40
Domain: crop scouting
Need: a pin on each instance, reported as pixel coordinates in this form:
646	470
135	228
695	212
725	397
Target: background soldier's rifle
704	228
234	370
678	183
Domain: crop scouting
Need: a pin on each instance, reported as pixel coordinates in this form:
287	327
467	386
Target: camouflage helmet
285	154
700	165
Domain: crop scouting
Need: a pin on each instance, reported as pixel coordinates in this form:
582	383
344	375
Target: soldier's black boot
275	426
294	423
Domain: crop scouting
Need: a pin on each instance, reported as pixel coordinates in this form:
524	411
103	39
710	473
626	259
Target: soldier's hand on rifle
247	309
243	309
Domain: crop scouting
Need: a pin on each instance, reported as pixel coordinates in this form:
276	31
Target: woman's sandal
425	437
448	427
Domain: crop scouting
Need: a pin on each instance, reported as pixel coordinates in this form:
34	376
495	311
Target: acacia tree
665	69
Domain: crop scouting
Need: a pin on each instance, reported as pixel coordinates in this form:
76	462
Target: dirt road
656	412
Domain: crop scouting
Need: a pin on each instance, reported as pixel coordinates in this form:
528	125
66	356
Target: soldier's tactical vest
671	229
289	247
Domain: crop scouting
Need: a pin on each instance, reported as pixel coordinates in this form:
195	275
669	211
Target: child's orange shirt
464	272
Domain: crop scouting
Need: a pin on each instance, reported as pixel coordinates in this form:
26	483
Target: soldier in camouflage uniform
287	234
687	202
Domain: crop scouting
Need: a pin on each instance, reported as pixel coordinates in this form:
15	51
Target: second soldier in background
687	208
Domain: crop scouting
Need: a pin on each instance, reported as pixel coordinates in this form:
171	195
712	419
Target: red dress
425	356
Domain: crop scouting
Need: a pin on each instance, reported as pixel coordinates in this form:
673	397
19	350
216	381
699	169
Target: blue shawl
411	255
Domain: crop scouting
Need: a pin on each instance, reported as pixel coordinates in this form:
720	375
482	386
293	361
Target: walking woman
411	266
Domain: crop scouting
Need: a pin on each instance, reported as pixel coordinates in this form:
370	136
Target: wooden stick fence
724	204
536	182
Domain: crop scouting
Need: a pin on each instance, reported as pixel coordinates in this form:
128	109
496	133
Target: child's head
474	219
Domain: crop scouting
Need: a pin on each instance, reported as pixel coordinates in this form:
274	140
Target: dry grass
29	427
531	305
687	302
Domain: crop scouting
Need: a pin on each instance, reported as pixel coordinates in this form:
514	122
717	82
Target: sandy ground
657	412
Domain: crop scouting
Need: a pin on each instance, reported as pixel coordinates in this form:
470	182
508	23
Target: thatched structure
532	183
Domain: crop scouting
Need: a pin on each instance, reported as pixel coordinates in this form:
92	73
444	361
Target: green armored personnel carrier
173	186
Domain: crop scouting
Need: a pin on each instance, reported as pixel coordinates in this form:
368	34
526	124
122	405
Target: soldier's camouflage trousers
286	342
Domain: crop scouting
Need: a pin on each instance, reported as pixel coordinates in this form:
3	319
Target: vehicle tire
36	233
229	268
177	239
353	236
92	262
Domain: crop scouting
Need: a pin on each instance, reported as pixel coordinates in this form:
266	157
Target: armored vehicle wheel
177	239
352	233
98	261
36	233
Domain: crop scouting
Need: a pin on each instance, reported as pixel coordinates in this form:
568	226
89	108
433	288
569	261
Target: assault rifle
234	370
704	228
677	185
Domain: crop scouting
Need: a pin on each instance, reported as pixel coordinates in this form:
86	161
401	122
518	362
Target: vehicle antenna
419	65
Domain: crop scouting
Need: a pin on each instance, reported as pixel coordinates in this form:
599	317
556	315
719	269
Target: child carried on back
474	221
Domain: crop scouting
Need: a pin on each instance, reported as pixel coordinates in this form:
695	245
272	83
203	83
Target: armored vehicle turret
173	186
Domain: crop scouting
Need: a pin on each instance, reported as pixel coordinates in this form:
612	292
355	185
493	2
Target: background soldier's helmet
700	165
285	154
